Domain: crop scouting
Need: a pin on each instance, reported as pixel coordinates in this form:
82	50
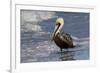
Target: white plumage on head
60	20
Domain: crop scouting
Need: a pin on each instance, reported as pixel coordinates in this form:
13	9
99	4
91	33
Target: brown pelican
62	40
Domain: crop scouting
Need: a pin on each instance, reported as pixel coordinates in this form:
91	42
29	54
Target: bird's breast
62	41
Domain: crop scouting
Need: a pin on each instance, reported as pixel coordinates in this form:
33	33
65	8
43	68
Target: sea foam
30	20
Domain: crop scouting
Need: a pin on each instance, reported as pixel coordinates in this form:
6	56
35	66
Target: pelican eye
58	24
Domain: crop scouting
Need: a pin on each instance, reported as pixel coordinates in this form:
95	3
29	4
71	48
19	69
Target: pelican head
58	25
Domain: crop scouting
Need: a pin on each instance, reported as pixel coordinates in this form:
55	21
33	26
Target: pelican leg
61	51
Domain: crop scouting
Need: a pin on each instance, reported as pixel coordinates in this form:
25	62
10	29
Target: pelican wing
66	38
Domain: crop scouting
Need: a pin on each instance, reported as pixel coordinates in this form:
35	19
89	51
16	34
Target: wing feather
66	38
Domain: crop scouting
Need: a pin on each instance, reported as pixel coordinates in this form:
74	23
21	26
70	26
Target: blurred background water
36	31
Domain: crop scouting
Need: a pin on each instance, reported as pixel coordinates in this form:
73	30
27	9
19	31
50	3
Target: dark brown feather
63	40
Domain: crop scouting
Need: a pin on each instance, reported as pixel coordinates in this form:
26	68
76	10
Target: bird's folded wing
66	37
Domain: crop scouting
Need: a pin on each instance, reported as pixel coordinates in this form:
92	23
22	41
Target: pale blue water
36	45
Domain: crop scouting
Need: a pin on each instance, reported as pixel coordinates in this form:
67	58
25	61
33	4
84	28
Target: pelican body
62	39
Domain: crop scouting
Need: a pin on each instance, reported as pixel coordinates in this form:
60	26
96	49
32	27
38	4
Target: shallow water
37	47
